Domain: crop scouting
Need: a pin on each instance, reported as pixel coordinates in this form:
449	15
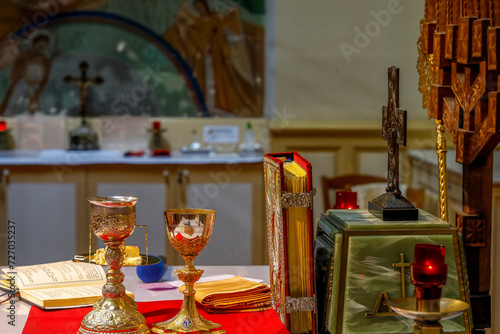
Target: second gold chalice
189	231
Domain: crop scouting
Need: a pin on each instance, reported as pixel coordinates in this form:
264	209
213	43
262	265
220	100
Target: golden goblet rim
190	211
113	199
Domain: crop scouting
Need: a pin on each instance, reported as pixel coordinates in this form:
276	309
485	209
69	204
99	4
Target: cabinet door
235	192
150	185
41	202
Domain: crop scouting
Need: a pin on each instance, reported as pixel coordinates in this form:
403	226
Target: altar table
132	283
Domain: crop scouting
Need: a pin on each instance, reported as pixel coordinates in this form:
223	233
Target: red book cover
294	305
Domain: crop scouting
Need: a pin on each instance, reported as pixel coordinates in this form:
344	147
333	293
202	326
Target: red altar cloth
68	320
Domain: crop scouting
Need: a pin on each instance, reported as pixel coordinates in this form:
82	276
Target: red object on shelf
346	200
160	152
156	125
428	271
3	126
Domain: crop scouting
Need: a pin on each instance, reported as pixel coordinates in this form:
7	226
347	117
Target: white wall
316	80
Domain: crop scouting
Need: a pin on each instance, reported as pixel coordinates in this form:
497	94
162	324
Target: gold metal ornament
189	231
427	313
443	171
113	220
428	75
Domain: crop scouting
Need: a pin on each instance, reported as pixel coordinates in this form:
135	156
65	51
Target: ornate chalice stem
189	275
114	288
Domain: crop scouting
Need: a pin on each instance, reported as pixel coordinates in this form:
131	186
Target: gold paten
113	220
189	231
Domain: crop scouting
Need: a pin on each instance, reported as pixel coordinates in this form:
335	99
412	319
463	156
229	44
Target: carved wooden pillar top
465	45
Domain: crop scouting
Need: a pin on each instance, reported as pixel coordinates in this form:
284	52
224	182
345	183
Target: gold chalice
113	220
189	231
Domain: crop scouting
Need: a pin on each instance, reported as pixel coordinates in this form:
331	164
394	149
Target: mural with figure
181	58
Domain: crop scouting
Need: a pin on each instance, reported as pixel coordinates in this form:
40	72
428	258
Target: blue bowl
151	272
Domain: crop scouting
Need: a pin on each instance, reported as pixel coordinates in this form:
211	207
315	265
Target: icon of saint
214	44
28	77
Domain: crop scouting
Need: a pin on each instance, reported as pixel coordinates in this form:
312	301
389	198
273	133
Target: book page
65	297
72	292
65	273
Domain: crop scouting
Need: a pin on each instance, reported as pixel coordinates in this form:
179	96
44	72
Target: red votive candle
3	126
156	125
346	200
428	271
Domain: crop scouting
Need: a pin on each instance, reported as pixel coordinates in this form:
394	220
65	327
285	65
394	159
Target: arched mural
191	58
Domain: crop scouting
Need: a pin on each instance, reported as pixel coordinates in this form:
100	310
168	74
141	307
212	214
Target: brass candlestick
189	231
113	220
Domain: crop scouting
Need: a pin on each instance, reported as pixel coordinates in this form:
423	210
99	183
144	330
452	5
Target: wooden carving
464	39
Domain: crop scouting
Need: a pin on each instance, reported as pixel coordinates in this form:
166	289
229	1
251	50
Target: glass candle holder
346	200
428	271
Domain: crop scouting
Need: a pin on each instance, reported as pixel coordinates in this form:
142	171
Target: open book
58	284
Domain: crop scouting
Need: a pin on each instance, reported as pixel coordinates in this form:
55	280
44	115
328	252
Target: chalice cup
189	231
113	220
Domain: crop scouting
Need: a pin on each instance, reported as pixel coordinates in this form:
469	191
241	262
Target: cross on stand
393	131
84	82
83	137
392	205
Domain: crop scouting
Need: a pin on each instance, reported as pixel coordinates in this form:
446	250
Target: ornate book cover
288	181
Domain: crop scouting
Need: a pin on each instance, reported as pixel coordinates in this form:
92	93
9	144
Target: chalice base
118	315
188	320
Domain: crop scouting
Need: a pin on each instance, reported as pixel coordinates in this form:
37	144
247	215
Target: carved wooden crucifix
392	205
393	131
84	82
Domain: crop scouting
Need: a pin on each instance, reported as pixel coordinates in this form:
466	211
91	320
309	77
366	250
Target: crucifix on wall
393	205
83	82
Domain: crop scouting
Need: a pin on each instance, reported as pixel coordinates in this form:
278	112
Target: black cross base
389	207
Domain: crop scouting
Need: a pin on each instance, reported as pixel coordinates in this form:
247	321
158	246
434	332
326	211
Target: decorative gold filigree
427	71
275	238
189	248
117	225
299	304
297	199
443	171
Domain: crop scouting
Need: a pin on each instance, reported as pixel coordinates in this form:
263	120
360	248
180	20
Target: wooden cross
394	131
402	265
84	82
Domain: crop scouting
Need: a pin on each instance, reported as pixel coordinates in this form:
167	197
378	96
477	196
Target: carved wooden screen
463	38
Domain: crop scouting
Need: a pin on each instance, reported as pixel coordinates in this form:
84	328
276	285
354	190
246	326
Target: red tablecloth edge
68	320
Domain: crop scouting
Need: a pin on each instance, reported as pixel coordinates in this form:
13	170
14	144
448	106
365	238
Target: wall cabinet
43	204
47	204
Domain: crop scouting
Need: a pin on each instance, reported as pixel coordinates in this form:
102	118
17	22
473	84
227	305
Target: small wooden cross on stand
83	137
392	205
84	82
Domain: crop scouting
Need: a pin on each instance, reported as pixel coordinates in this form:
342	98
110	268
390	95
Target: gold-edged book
56	285
288	180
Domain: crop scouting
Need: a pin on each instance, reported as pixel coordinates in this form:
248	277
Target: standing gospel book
288	181
56	285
